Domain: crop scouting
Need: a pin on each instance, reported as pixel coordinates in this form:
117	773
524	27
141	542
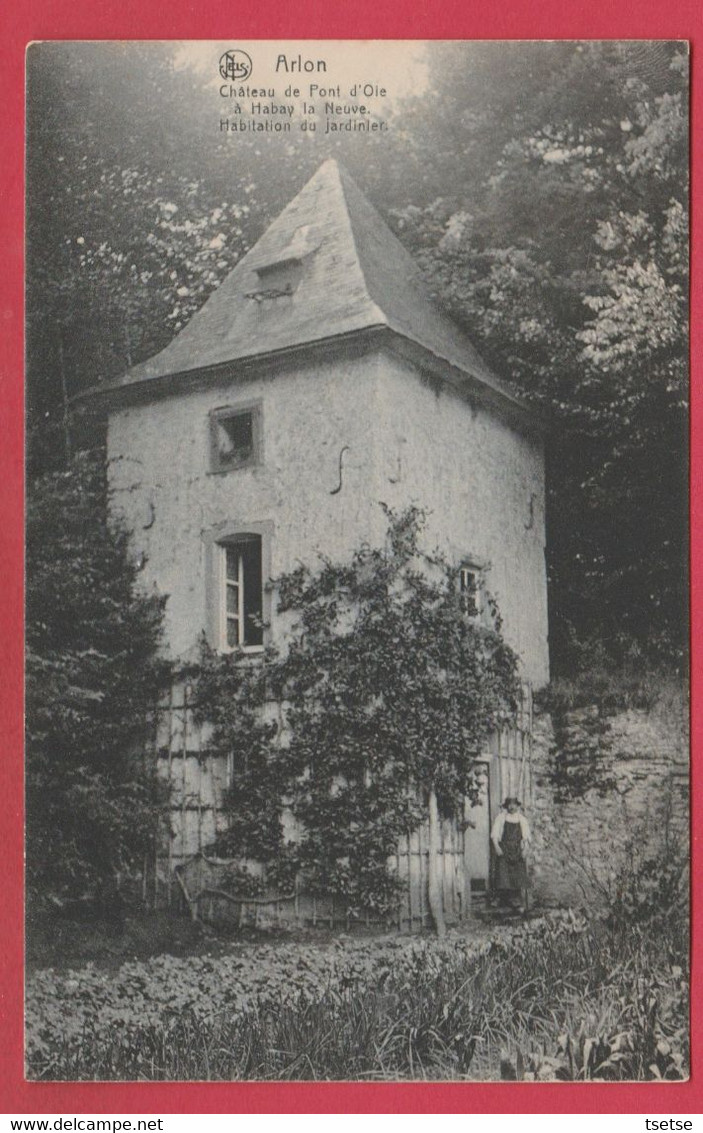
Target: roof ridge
342	174
444	337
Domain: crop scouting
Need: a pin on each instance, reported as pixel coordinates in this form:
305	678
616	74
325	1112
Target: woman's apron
511	871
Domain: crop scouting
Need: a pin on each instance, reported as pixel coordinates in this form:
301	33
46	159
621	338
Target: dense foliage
92	680
387	690
555	227
545	195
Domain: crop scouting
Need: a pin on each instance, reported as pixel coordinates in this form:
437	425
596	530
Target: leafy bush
617	686
645	885
651	889
93	676
633	1022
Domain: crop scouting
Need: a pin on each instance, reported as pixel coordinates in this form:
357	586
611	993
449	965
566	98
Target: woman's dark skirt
510	874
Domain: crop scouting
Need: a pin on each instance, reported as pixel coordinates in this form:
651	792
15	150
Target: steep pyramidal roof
327	266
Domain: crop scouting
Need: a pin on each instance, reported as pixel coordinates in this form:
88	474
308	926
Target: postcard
356	595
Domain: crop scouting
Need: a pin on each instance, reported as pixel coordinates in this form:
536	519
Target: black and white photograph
356	561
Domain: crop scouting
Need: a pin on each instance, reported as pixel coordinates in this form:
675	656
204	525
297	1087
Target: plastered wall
482	484
337	438
172	503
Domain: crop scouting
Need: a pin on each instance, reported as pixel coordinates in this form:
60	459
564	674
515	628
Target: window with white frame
241	593
470	590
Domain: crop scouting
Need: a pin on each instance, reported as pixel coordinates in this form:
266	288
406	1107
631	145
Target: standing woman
510	835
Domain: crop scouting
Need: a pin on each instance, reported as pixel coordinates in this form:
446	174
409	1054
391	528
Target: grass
558	998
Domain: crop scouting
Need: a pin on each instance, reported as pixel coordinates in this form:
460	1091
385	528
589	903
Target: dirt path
68	945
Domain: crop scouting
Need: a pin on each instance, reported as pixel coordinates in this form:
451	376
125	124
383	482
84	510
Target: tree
386	693
126	236
93	676
554	227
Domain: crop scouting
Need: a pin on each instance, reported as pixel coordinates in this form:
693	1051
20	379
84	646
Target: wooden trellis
197	780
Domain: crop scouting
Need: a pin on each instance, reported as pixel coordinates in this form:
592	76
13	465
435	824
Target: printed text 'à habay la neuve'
262	113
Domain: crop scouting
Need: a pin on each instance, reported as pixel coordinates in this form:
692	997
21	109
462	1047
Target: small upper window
235	438
470	590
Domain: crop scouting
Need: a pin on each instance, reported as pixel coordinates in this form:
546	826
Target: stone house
317	380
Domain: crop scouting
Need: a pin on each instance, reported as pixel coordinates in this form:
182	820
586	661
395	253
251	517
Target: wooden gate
413	865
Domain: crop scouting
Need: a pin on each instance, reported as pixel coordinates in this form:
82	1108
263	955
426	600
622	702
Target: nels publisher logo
235	65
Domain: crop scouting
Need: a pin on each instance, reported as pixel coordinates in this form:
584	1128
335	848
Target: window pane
468	581
242	591
235	438
233	564
469	587
252	580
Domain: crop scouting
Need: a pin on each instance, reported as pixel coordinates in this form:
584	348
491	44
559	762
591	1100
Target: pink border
209	19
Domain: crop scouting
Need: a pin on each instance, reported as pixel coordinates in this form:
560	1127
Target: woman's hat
511	799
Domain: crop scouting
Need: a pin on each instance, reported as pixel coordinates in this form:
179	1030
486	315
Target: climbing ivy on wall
384	693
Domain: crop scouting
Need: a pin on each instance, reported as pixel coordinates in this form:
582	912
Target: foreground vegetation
560	998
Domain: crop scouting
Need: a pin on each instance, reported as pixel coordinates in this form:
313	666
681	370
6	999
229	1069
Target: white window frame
466	570
216	540
224	583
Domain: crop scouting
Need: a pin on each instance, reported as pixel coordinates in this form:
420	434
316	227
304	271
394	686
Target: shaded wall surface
482	484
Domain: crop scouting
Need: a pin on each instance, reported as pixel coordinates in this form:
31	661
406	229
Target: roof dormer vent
280	273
